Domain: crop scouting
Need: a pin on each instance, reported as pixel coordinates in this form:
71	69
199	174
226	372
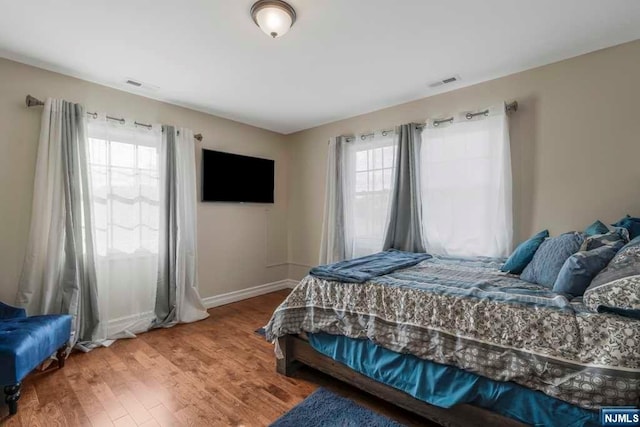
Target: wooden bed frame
297	351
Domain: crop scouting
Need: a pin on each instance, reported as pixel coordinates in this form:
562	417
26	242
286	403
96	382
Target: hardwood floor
209	373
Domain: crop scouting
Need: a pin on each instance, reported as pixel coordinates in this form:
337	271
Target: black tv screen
230	177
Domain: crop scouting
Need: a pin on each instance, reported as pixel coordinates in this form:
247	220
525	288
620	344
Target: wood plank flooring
216	372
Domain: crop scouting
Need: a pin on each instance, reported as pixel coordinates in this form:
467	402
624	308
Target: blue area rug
326	409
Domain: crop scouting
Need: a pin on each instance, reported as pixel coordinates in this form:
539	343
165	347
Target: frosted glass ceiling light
274	17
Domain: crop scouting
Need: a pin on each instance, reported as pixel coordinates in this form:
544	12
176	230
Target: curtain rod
35	102
511	107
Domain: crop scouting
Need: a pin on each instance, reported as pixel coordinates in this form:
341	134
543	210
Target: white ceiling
341	58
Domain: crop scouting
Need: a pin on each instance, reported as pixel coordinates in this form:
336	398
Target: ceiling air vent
144	86
445	81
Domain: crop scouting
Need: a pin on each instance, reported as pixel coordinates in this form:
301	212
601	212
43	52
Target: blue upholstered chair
26	342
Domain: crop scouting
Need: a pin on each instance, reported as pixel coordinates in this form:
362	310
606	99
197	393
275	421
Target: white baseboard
235	296
291	283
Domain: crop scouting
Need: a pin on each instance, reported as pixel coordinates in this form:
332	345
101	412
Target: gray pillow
550	257
617	288
613	238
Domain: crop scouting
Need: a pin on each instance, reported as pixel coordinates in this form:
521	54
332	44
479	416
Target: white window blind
125	180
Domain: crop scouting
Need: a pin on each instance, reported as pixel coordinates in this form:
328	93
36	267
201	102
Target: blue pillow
550	257
631	224
524	253
580	268
596	228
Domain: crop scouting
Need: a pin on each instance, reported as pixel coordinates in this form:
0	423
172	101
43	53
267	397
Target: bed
462	322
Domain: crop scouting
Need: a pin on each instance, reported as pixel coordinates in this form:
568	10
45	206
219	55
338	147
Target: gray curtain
404	229
59	274
79	274
333	242
177	297
165	309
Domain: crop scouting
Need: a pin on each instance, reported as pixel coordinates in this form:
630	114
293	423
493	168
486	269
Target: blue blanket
359	270
474	278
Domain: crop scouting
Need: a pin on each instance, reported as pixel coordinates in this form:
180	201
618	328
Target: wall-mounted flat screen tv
230	177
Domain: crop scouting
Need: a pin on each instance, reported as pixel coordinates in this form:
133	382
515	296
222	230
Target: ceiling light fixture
274	17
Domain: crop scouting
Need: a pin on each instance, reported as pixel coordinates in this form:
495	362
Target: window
124	168
466	187
372	163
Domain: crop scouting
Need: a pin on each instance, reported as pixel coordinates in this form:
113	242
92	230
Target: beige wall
575	146
240	245
575	150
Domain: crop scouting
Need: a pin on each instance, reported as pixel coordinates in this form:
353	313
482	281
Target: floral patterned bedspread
468	314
